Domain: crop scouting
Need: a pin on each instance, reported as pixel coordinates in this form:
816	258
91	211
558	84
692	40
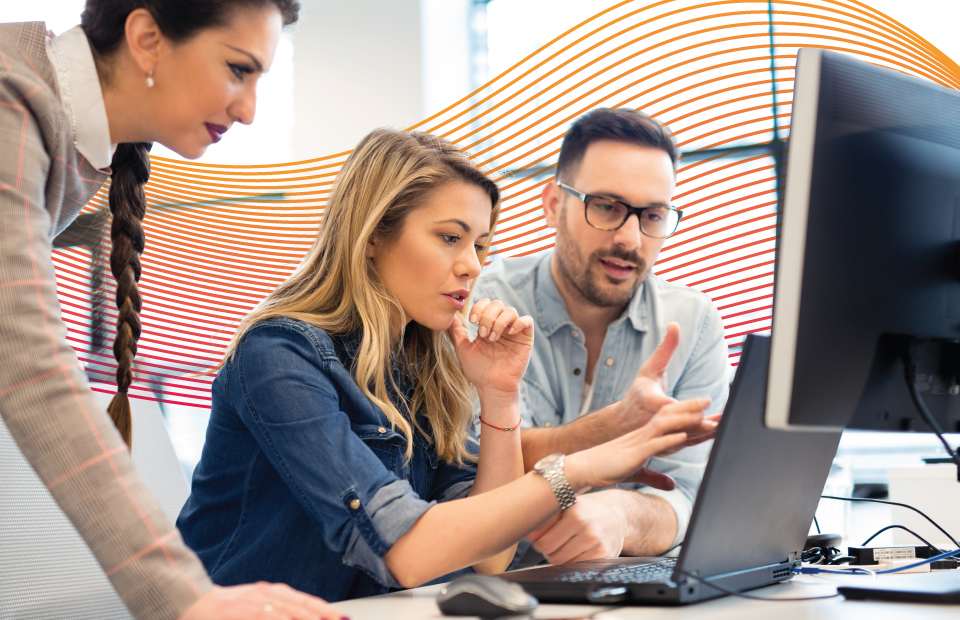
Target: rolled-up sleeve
389	515
287	396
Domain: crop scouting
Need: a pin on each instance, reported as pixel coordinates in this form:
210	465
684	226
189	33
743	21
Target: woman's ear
371	249
143	39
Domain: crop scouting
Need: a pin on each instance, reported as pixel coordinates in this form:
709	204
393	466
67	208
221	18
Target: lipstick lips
216	131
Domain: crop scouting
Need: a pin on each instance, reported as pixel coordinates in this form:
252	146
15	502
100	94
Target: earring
150	80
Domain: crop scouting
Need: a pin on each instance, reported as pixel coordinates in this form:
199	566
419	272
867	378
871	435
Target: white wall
357	66
445	53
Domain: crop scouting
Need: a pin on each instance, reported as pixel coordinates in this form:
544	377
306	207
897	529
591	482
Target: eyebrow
253	58
464	225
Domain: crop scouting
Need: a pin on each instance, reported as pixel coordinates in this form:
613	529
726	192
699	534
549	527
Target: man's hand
606	524
647	394
648	391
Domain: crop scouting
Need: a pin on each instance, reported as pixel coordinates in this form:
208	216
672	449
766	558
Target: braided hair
104	22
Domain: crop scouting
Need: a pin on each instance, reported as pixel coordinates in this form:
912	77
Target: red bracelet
510	428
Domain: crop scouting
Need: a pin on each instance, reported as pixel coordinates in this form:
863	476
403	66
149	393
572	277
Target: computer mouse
484	596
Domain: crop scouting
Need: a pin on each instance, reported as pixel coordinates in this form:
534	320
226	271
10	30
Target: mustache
620	254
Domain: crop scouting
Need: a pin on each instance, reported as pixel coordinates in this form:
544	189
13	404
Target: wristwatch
551	468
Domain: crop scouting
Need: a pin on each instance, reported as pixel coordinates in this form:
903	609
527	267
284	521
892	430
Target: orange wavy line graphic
720	73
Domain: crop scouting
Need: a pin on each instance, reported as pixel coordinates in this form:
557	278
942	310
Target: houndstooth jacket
44	398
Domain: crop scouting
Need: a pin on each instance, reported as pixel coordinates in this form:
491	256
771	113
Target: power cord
883	501
906	529
911	364
815	570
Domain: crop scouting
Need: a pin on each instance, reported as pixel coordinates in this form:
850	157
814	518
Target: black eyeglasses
657	221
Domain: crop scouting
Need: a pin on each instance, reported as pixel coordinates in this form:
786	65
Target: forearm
500	463
591	430
63	432
651	523
465	532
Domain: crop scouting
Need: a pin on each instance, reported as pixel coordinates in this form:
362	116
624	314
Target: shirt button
381	430
576	371
608	361
575	334
547	424
355	504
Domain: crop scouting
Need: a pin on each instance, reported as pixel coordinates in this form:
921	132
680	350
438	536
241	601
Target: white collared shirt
81	96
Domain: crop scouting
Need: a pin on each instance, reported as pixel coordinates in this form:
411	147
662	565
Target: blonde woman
339	457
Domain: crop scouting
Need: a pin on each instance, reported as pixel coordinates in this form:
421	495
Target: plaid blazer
44	398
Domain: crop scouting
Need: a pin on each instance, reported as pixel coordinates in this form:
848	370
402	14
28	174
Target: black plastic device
749	523
868	260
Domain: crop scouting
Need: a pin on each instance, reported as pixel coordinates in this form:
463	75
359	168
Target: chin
188	151
438	323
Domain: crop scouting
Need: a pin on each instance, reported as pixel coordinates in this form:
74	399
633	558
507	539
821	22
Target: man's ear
552	197
144	39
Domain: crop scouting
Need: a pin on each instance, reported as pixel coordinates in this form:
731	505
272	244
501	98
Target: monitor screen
867	269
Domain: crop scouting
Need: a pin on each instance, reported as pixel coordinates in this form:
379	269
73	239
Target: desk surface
419	604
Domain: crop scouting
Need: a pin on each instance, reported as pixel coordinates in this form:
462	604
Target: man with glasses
597	371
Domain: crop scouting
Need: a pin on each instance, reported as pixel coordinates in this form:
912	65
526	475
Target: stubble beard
581	275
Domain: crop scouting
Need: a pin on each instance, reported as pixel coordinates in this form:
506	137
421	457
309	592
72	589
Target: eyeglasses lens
658	222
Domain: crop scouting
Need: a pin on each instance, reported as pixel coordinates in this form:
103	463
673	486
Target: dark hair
104	23
618	125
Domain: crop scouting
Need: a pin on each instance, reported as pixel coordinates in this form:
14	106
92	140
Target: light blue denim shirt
554	382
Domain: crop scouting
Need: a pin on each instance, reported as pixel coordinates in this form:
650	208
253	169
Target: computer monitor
867	268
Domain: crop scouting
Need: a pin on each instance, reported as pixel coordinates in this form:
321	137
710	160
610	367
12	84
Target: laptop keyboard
630	573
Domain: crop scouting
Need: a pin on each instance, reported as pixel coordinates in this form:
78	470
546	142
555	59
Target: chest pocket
385	442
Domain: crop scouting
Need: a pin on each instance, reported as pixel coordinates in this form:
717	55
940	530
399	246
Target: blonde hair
337	288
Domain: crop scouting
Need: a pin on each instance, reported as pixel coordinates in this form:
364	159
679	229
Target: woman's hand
622	458
260	601
497	358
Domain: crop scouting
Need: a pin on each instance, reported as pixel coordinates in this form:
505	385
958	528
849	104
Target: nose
468	266
629	236
244	107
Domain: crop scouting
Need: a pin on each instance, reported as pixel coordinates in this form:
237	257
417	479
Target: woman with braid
76	110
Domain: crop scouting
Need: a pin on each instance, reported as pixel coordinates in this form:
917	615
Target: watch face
547	461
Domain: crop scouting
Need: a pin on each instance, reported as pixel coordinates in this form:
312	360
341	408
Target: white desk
419	604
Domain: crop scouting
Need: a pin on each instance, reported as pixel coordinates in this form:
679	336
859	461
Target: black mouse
484	596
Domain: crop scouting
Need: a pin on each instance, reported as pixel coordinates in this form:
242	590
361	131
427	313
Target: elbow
406	575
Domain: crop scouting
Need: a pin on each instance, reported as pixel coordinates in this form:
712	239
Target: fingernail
482	331
493	336
512	331
473	318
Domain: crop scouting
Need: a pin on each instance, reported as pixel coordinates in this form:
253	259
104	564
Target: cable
883	501
751	597
911	364
890	527
817	523
816	570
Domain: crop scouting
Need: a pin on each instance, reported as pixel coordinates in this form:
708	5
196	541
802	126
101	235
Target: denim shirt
553	385
302	480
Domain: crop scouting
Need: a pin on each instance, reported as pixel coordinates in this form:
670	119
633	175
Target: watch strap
561	488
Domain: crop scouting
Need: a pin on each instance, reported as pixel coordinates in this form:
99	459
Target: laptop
753	511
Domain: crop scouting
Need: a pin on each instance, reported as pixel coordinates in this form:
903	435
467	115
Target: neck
125	96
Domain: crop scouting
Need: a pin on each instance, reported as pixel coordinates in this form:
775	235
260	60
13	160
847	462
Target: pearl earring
150	80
